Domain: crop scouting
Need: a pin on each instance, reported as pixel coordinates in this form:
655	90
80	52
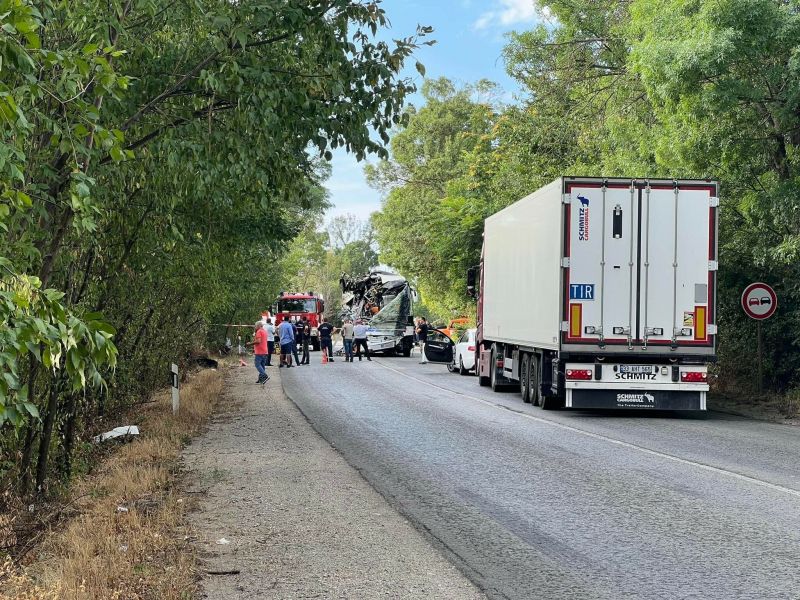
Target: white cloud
507	13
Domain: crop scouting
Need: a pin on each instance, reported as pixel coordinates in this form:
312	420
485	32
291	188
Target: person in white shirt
360	339
270	328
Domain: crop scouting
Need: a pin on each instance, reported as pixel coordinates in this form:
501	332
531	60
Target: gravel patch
282	514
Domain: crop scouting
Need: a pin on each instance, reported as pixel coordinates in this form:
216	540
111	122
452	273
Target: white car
464	353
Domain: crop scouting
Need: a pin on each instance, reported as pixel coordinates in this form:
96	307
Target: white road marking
605	438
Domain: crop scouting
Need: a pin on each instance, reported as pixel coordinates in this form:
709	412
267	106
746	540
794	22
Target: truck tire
535	387
548	403
525	377
315	344
493	379
407	350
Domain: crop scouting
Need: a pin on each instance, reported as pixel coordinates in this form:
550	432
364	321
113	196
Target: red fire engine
293	305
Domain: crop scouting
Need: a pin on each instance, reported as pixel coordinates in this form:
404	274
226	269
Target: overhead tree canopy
155	157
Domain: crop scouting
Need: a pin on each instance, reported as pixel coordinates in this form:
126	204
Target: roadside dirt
282	515
776	409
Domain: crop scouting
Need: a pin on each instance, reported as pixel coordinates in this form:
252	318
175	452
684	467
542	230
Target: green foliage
45	332
433	216
317	259
155	159
648	88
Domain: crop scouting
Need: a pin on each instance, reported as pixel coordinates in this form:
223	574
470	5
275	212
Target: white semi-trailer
600	293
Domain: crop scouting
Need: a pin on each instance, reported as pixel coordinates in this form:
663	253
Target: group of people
354	337
294	336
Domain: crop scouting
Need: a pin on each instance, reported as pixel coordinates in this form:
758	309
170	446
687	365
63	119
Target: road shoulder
298	520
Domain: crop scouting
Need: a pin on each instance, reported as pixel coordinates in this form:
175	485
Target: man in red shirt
261	350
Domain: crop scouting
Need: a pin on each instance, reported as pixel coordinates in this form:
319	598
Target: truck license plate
635	369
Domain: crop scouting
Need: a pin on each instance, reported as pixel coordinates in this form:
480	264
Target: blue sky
469	35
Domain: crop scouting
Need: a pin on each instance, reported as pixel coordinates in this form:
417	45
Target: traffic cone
324	356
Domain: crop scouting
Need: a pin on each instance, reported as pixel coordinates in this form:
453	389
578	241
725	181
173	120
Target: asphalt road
540	504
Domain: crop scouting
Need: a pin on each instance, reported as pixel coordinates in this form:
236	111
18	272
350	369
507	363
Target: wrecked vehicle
385	301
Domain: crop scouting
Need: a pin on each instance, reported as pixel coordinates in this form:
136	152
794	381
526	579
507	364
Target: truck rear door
639	264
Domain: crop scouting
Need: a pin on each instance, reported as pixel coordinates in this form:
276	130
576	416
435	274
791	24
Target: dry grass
128	539
781	408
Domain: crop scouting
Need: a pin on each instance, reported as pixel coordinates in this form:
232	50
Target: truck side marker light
575	317
699	322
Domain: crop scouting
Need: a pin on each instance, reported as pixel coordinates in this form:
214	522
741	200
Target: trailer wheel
548	403
496	385
525	377
535	388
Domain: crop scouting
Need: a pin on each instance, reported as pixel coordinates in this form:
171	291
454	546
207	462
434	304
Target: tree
155	159
648	88
353	241
424	231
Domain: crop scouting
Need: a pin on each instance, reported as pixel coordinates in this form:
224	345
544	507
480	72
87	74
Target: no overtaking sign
759	301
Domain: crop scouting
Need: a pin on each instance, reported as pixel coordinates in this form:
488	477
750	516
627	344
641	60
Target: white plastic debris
117	432
122	509
123	548
222	541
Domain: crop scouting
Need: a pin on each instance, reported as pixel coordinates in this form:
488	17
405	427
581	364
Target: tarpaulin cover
393	318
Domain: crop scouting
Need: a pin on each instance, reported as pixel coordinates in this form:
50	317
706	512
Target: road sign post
760	355
176	395
759	302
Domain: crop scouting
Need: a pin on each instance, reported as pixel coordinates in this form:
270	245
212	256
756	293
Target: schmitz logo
638	399
583	219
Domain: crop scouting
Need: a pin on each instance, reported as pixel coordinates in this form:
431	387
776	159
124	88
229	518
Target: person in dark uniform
326	330
306	327
422	335
298	339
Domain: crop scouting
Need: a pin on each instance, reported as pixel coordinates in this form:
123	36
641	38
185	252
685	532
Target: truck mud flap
640	399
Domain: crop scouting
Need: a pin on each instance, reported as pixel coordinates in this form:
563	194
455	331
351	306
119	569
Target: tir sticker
581	291
583	219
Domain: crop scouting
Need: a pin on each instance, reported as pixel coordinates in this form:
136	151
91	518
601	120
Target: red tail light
470	348
579	374
694	377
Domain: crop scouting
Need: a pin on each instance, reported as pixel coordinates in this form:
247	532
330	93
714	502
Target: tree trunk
69	434
47	436
30	435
